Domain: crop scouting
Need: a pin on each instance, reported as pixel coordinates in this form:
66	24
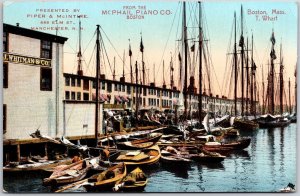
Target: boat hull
264	124
246	125
239	145
36	167
66	180
107	184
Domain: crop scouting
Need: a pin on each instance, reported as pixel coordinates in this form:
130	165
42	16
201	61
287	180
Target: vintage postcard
140	96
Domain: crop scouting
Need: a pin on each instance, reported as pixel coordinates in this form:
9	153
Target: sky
161	31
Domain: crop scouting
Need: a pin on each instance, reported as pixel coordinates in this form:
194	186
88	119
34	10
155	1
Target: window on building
67	81
109	87
5	41
128	89
158	93
79	82
103	85
46	79
4	118
94	84
73	81
46	49
5	75
86	85
157	102
145	92
85	96
116	87
67	95
73	95
78	96
123	88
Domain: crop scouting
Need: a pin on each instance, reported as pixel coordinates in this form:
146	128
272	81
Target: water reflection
219	166
27	181
180	171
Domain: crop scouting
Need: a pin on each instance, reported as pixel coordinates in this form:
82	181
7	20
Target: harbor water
267	165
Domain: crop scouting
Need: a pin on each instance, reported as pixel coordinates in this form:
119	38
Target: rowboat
135	181
35	166
154	137
185	154
132	146
172	160
140	143
65	174
107	179
138	158
235	145
207	158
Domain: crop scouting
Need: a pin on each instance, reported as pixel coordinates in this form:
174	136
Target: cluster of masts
248	72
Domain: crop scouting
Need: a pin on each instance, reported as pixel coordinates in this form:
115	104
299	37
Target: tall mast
290	106
164	82
247	77
79	55
251	79
273	57
143	64
114	73
136	91
185	60
130	54
263	91
235	68
171	70
97	83
295	89
241	44
124	65
200	64
281	81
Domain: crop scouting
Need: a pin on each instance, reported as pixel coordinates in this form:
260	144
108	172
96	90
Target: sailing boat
242	123
269	120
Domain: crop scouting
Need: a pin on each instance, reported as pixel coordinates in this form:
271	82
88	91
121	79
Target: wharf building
34	95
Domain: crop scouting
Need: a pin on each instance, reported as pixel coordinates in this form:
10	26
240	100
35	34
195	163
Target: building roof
33	34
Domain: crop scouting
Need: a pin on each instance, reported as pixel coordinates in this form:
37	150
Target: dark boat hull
246	125
172	161
272	124
239	145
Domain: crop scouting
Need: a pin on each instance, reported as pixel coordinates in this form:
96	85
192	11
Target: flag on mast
141	45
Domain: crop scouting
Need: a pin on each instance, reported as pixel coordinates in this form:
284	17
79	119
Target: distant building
119	95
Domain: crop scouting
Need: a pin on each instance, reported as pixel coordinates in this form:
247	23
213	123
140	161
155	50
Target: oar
72	185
